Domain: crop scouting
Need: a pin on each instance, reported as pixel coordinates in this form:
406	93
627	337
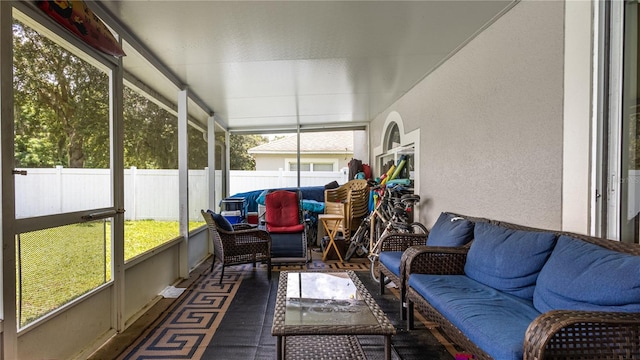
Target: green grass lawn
60	264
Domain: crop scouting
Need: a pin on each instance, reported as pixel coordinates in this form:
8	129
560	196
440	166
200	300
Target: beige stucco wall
491	122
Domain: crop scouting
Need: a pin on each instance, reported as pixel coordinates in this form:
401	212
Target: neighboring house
319	151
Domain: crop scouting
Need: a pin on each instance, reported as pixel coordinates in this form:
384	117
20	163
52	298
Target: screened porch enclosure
107	161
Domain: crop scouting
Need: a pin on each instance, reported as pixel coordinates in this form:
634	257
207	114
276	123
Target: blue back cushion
221	221
584	276
506	259
450	230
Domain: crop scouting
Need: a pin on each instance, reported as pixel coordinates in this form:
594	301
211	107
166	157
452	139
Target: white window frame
406	140
311	161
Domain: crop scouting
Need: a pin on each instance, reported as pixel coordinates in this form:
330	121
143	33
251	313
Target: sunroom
523	111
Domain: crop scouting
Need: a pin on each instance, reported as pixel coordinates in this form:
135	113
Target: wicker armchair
243	245
398	242
402	242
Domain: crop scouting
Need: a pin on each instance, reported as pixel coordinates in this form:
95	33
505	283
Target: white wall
577	195
491	120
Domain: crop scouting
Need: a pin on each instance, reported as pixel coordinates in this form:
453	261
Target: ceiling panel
282	63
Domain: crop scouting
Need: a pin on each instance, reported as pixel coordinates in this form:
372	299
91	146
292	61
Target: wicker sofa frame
402	242
557	334
398	242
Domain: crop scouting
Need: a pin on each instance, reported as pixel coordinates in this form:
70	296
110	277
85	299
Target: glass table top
325	298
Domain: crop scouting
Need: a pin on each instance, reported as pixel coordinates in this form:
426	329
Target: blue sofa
522	293
449	230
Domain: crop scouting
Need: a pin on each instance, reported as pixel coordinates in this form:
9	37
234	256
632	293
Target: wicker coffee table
325	311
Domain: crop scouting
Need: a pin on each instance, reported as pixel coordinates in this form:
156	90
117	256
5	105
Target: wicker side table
324	347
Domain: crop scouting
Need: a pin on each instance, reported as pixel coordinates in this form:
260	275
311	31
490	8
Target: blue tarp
312	198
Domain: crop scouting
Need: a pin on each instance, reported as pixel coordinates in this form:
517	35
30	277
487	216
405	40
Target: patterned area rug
232	320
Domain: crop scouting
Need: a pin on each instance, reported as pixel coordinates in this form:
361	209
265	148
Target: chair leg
403	305
269	269
221	274
213	262
410	318
381	277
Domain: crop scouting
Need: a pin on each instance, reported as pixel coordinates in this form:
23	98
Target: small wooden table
331	223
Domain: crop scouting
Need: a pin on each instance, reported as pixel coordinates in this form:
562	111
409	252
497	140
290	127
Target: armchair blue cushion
584	276
450	230
221	221
391	260
508	260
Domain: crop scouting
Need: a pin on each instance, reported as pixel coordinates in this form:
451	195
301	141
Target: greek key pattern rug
185	330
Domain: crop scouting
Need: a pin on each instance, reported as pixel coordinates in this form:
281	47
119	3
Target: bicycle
391	215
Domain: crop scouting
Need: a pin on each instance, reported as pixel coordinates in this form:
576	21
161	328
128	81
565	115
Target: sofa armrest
433	260
562	334
401	242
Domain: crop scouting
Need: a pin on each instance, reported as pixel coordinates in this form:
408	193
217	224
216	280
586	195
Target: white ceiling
278	64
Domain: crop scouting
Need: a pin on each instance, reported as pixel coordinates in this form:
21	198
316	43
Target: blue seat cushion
583	276
221	221
495	321
506	259
391	260
286	245
450	230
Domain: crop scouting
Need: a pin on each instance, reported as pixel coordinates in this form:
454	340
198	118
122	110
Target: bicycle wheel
373	269
359	242
378	229
418	228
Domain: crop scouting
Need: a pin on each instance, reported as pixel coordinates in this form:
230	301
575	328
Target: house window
303	166
311	166
322	167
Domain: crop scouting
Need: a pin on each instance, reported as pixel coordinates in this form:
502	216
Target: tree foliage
240	158
151	134
62	114
61	105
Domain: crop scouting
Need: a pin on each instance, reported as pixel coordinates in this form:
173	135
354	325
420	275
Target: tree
151	134
60	99
62	113
198	150
240	158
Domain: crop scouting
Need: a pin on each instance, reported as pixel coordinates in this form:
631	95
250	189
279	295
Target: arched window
392	140
396	146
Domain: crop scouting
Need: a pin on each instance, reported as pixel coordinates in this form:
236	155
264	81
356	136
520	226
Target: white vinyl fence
148	194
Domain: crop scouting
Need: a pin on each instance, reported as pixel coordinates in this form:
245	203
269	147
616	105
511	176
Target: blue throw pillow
221	221
583	276
450	230
508	260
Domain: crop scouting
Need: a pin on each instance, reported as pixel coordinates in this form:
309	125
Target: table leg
387	347
332	235
279	348
332	241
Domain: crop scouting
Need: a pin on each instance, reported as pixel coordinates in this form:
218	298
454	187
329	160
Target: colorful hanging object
401	162
385	177
76	17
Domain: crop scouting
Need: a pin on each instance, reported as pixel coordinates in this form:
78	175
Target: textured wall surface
491	122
